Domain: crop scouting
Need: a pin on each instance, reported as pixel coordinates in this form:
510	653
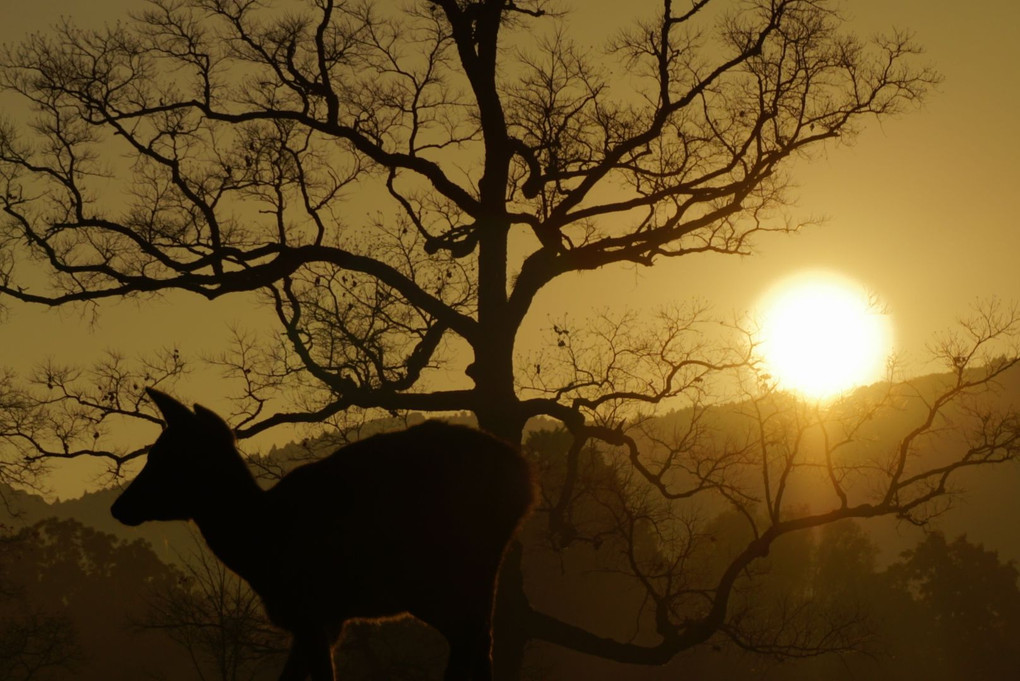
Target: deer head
185	465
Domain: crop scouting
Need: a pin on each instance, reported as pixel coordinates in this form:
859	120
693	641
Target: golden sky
920	210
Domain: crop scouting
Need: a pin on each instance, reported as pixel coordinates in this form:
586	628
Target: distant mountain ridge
988	513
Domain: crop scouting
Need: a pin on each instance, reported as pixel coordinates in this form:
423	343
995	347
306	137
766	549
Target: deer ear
215	423
172	410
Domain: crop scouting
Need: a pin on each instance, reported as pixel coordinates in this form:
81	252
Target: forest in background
84	598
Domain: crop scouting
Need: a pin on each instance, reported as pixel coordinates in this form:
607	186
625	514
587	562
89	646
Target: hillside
985	511
561	583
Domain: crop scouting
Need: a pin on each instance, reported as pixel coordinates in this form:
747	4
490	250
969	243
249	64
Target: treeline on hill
78	602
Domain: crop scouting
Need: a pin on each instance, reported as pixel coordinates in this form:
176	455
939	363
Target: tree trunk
496	403
509	627
499	412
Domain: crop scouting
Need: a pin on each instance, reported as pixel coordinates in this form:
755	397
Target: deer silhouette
408	522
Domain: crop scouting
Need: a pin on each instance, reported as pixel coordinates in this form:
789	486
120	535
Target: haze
919	210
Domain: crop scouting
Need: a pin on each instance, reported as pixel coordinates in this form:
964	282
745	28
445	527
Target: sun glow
821	335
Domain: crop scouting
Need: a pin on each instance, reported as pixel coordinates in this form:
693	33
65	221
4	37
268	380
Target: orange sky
920	209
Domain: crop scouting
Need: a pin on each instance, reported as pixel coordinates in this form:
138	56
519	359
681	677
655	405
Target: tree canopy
225	146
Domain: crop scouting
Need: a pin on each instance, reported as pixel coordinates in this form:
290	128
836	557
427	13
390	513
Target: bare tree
218	620
33	644
222	147
772	465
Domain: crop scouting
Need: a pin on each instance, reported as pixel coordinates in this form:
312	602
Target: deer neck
230	522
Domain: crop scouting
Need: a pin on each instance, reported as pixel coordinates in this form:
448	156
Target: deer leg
322	662
296	666
470	648
311	657
482	658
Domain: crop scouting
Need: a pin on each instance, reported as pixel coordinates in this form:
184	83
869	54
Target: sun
821	334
